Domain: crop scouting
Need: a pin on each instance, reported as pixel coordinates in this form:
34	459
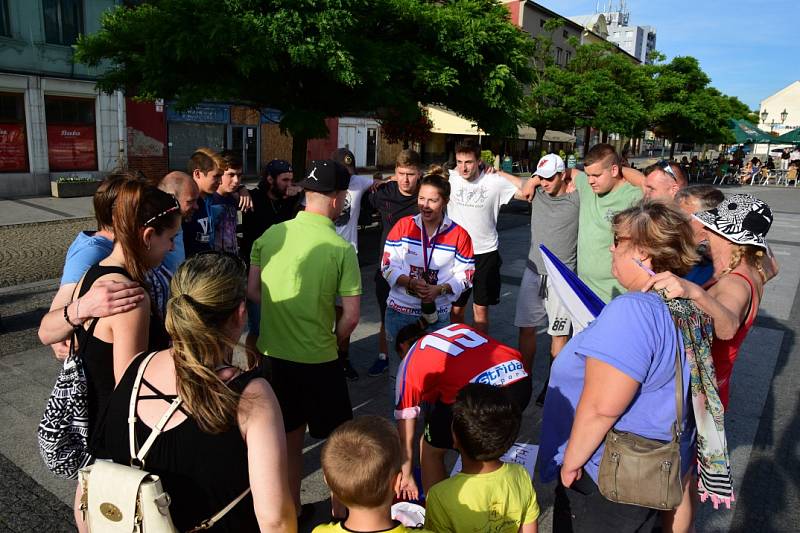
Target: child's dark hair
485	421
410	333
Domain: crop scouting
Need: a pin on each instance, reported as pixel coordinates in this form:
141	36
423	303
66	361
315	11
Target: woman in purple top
620	372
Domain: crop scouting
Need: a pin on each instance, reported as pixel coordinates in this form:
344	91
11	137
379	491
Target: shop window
71	135
63	21
13	145
5	26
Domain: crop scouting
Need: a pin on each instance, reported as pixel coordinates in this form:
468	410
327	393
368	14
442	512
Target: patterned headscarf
713	463
740	218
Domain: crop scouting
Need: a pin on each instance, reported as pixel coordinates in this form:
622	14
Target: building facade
53	121
639	41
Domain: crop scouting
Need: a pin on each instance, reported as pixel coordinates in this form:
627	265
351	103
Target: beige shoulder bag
639	471
119	498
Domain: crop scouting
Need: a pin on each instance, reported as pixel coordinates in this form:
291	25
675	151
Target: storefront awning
445	121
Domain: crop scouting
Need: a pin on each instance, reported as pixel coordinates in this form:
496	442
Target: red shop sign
13	151
71	147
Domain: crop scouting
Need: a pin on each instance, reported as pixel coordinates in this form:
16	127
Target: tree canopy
313	59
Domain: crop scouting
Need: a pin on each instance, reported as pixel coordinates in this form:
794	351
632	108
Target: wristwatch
443	289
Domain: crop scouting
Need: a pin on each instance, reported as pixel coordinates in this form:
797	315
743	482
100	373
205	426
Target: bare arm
607	393
407	487
533	527
130	334
62	298
633	176
770	264
254	284
726	302
351	311
261	425
105	298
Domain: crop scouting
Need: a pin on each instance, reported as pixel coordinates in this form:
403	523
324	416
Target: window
565	34
63	21
71	139
13	146
567	57
559	53
5	26
541	23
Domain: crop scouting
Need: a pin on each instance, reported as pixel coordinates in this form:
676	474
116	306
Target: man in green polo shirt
297	269
604	193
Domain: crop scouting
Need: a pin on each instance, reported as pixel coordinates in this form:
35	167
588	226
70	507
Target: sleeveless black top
201	472
98	355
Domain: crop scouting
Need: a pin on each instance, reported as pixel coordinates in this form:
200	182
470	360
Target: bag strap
139	456
676	432
208	523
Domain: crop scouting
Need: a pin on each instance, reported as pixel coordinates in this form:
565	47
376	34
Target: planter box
72	190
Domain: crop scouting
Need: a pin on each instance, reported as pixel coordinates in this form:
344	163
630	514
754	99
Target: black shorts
382	289
312	394
485	282
439	416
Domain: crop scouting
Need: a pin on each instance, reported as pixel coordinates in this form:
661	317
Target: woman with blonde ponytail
228	432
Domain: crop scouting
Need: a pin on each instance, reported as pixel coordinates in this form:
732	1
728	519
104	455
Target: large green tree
318	58
687	109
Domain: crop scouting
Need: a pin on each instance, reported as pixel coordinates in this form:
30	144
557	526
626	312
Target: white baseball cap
548	166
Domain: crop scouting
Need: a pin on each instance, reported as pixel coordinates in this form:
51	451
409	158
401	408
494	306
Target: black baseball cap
276	167
326	176
346	158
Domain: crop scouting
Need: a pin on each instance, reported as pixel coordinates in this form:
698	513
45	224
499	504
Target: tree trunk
604	137
299	155
539	145
587	136
671	149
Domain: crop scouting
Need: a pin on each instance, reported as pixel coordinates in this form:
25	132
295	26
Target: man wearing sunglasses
660	181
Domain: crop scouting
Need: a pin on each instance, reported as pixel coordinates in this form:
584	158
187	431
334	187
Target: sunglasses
163	213
665	166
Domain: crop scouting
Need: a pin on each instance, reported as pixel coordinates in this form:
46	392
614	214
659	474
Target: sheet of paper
520	453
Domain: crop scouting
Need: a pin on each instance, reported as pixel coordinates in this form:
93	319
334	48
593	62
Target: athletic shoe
350	373
380	366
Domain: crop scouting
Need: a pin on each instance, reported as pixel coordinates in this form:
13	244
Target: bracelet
66	317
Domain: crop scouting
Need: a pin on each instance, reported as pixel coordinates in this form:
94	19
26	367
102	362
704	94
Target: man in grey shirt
554	223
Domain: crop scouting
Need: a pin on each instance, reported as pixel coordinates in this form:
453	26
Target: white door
347	138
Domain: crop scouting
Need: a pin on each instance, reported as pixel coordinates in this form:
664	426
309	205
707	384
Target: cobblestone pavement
27	506
35	252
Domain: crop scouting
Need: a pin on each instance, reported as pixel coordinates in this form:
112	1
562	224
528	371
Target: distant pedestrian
297	269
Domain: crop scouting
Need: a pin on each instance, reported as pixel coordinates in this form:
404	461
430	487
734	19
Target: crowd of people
155	300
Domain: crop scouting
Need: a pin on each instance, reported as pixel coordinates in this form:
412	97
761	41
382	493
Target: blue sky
749	48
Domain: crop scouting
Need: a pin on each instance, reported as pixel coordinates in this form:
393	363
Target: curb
50	283
44	222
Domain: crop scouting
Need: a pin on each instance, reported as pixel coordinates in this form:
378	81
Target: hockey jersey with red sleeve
449	260
441	363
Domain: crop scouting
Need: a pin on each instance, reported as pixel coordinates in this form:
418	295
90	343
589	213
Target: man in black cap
297	269
275	200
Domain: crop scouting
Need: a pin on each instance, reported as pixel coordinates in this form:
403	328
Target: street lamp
783	116
764	116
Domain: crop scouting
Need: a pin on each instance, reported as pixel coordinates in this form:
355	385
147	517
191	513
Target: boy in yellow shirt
361	463
487	495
